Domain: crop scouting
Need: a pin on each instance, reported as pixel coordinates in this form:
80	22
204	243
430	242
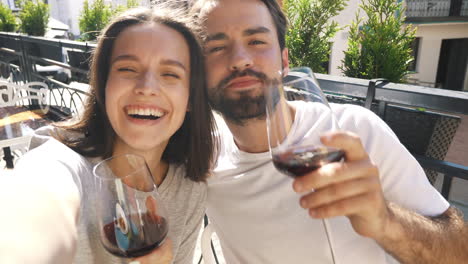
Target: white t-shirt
66	172
257	216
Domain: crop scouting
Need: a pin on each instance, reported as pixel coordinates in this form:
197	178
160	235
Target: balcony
420	11
414	112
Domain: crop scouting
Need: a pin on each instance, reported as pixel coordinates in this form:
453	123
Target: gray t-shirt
183	198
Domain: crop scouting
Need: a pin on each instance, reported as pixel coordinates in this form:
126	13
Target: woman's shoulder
176	182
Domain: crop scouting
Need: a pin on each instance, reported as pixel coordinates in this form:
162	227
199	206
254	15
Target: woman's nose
148	84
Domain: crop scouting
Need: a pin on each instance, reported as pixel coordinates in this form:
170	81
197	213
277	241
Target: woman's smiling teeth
144	113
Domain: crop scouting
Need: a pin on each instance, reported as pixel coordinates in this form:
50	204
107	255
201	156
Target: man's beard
246	107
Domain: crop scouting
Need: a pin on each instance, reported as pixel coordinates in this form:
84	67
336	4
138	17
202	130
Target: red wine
299	161
138	241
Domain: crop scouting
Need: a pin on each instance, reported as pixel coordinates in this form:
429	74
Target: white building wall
340	41
68	11
429	48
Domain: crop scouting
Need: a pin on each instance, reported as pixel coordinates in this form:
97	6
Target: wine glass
297	115
131	217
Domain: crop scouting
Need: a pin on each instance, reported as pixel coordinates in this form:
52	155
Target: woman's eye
171	75
125	69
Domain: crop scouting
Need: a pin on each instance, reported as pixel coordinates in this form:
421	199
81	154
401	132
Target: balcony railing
436	10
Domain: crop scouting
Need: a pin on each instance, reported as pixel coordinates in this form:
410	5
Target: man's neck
250	137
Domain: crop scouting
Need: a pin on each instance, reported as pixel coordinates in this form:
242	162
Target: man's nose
148	84
241	59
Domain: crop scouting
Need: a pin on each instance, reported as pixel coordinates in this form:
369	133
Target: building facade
441	47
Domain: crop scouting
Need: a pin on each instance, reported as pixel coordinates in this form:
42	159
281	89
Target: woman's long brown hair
193	143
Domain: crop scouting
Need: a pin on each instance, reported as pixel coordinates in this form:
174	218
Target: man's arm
353	189
412	238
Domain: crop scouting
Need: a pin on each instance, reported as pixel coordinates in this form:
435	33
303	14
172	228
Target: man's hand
161	255
351	188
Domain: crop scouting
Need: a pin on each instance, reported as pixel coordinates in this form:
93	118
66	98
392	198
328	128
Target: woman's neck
153	158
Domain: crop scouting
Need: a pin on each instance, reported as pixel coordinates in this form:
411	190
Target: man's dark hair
191	145
202	7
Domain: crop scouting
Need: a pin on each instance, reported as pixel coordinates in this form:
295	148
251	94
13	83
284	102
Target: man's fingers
346	207
349	142
334	173
339	191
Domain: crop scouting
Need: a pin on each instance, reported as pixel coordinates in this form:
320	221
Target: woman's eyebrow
124	57
176	63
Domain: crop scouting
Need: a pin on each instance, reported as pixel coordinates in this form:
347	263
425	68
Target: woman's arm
38	223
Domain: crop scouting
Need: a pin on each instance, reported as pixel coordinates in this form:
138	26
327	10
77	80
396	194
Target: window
414	53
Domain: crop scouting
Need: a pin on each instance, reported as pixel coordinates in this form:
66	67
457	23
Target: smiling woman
147	98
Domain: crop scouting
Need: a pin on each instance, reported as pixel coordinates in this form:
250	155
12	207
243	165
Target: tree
34	17
310	31
7	19
96	16
381	46
93	19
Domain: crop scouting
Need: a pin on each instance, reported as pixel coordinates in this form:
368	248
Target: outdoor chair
80	61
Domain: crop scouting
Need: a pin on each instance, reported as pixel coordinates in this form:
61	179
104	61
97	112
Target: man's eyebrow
247	32
257	30
216	36
173	63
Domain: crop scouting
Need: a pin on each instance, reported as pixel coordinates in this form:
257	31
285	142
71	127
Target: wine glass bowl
295	151
131	217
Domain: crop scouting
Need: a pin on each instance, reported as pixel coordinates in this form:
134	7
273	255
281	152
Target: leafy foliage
34	17
93	19
381	46
96	16
310	31
7	19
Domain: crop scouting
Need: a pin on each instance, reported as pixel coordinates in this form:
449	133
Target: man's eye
256	42
215	49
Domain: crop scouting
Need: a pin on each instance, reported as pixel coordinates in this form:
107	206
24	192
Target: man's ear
285	61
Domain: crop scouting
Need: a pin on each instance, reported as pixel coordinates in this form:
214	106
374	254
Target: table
17	125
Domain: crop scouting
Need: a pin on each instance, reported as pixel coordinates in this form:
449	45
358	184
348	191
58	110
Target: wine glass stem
326	226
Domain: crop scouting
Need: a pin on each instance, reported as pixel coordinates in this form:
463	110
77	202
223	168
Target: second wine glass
297	115
294	139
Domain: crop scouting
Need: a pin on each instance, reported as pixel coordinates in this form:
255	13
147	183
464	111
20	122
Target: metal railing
436	8
25	59
442	100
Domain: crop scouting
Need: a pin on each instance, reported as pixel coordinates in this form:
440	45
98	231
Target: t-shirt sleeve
403	180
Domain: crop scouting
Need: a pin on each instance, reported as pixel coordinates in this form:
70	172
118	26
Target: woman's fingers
161	255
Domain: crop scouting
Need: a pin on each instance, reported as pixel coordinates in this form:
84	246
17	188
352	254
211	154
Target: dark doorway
453	59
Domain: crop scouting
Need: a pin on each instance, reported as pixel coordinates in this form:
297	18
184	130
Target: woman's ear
285	61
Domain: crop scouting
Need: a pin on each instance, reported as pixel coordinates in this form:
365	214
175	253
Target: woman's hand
161	255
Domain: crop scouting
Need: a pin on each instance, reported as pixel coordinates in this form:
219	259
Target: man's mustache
237	74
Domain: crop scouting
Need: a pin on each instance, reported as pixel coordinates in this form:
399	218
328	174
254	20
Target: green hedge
34	17
7	19
379	47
